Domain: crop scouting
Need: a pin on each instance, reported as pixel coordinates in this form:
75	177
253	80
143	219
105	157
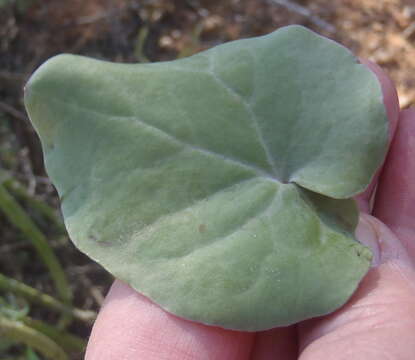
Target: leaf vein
252	116
259	172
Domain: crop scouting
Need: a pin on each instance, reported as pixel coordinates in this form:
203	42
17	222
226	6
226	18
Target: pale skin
377	323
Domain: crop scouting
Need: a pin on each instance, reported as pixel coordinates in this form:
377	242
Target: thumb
379	320
386	247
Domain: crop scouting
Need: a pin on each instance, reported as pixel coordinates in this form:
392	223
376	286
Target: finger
279	343
390	95
379	321
130	327
395	199
390	99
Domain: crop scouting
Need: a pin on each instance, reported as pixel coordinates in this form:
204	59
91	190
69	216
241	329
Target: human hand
378	322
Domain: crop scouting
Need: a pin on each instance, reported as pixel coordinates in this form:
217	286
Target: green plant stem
18	331
66	341
20	192
38	297
139	48
18	217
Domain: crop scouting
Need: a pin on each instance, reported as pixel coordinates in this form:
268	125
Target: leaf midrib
247	106
162	133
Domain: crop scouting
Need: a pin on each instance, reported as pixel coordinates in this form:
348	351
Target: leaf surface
218	185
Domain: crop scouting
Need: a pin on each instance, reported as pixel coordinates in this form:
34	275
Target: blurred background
50	292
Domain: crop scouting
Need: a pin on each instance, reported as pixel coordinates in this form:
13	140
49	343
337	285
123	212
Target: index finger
390	99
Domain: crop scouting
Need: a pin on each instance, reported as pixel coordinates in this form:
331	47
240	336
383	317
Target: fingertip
408	118
130	326
384	244
390	94
395	199
391	102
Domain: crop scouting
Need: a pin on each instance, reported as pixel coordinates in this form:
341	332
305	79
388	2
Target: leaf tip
41	87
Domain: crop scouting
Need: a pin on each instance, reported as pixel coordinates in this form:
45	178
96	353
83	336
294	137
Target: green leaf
31	355
218	185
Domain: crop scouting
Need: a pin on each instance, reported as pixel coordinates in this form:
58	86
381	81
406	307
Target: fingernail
382	241
368	236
